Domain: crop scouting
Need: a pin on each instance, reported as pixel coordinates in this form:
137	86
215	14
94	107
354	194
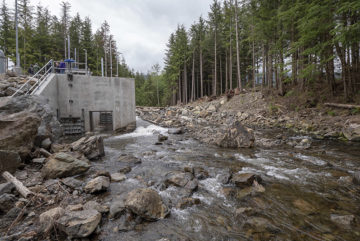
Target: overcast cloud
141	27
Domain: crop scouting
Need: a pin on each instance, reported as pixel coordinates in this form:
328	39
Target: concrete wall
85	94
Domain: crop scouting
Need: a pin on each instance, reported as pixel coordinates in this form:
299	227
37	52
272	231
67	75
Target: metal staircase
39	78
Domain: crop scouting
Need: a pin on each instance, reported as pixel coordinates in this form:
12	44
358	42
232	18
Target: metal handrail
33	77
39	82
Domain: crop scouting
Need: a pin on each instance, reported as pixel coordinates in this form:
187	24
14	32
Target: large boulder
92	147
9	161
351	129
31	118
245	179
79	224
62	164
235	136
146	203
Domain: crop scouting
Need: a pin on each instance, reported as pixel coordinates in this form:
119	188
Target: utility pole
17	37
86	67
111	70
69	57
117	65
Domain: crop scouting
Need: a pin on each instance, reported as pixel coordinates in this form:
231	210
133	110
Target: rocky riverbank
11	82
242	121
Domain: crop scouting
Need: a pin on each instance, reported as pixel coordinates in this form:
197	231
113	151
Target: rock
76	207
92	205
178	179
72	183
125	170
237	91
7	187
240	211
98	184
187	202
235	136
304	206
192	185
304	144
102	173
212	108
48	218
351	129
224	178
200	173
9	161
117	177
38	160
92	147
79	224
356	178
129	159
176	131
62	164
162	138
345	220
117	208
11	73
245	179
31	118
147	204
7	202
260	224
46	144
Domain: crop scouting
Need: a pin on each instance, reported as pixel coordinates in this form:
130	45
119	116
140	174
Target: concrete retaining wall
85	94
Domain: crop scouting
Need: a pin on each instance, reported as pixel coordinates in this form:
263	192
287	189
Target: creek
304	189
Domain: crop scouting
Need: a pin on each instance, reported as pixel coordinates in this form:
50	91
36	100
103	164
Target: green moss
331	113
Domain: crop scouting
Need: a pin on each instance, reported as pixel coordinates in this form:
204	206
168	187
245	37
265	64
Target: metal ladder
40	77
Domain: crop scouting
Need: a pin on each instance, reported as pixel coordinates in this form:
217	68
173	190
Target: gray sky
141	27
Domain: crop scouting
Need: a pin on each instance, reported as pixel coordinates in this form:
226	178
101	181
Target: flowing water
303	189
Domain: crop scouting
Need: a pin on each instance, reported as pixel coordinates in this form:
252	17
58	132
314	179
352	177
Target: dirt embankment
204	117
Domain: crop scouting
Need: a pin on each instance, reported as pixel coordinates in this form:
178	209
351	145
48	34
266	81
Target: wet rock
129	159
244	179
356	179
92	205
235	136
7	202
224	178
9	217
9	161
76	207
244	210
178	179
72	183
102	173
304	206
7	187
79	224
192	185
351	129
162	138
48	218
260	224
176	131
147	204
92	147
125	170
187	202
304	144
98	184
117	208
63	165
200	173
118	177
345	220
39	160
46	144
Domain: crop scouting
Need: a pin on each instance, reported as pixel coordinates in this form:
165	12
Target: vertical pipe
102	67
86	67
17	35
117	65
75	57
69	57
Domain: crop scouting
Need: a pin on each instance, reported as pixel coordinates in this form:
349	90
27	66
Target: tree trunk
253	64
193	79
230	61
24	191
221	78
215	68
185	96
237	47
263	82
226	73
201	75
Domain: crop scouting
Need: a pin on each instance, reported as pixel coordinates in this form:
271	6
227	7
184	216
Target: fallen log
345	106
44	152
24	191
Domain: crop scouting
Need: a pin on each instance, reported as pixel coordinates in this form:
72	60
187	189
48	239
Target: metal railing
40	76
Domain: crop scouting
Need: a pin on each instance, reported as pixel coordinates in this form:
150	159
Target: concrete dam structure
87	103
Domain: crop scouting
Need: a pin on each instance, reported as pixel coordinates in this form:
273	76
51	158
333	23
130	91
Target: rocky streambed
177	182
